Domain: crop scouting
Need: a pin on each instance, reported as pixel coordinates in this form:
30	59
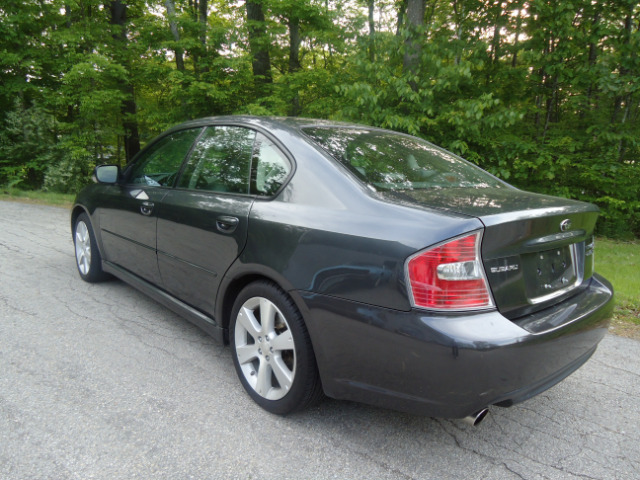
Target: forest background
543	94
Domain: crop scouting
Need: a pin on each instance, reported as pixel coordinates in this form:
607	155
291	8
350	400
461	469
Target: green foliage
545	95
558	113
73	169
26	146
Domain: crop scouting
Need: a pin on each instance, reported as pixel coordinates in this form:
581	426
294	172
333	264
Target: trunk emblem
565	225
504	268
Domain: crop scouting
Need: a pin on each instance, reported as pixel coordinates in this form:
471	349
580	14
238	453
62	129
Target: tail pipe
477	417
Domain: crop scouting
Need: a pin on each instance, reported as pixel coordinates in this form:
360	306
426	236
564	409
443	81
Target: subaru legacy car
353	262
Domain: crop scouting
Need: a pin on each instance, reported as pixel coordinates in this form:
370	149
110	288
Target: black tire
88	259
279	379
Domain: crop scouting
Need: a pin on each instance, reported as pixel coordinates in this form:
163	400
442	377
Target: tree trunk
544	83
70	116
514	59
171	15
495	42
259	47
326	6
551	103
402	9
130	124
627	99
67	15
593	49
413	43
294	60
459	12
593	55
119	18
294	44
372	31
625	116
128	108
202	18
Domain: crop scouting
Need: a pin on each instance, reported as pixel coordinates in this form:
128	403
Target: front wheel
88	258
272	351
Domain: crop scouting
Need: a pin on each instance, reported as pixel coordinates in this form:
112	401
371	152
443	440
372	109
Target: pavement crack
512	471
617	368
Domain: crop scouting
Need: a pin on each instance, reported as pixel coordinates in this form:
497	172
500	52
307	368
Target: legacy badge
504	268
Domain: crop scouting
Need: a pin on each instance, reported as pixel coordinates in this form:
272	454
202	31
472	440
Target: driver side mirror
106	173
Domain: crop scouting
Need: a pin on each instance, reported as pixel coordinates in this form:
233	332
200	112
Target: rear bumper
452	365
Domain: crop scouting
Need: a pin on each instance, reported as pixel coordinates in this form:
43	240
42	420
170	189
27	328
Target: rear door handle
146	208
227	224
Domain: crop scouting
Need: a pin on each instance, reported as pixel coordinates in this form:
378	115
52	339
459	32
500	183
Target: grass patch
37	196
619	262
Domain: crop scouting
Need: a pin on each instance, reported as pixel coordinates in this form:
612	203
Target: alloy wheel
83	248
265	348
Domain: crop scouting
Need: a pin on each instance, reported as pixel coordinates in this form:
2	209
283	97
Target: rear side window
270	167
220	161
159	166
389	161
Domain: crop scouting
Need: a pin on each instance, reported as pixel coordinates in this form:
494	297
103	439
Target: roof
263	121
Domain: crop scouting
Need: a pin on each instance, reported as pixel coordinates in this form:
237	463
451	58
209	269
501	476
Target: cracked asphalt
100	382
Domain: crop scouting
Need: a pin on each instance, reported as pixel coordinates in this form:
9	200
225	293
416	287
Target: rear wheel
88	258
272	350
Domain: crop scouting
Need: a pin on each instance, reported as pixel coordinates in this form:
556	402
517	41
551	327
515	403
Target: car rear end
497	314
461	349
545	308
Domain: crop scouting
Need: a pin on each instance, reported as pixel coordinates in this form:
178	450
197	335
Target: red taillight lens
450	276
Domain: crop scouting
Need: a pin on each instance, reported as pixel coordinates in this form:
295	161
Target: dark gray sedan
362	263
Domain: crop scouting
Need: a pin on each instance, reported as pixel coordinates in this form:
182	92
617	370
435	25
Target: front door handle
146	208
226	223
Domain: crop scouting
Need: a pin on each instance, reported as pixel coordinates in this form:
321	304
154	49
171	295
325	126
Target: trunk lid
536	249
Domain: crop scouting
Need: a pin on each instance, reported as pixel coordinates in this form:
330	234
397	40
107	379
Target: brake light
449	276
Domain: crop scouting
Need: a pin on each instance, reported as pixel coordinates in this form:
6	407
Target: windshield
390	161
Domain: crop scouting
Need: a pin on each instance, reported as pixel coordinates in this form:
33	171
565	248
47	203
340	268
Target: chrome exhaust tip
476	418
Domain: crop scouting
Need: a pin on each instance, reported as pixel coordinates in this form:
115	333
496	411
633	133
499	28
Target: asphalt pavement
100	382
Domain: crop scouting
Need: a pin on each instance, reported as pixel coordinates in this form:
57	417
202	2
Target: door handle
146	208
227	224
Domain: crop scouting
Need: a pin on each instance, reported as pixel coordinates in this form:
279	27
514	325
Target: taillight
449	276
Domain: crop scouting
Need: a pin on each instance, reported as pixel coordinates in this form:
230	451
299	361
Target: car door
128	213
202	223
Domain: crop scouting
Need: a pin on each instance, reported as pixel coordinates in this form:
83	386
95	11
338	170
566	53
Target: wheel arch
76	211
237	278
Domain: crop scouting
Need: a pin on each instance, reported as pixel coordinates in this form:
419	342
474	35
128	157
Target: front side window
389	161
159	166
270	167
220	161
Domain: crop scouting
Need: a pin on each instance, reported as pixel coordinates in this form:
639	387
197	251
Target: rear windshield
390	161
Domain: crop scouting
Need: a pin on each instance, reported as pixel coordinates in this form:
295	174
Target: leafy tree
543	94
27	146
